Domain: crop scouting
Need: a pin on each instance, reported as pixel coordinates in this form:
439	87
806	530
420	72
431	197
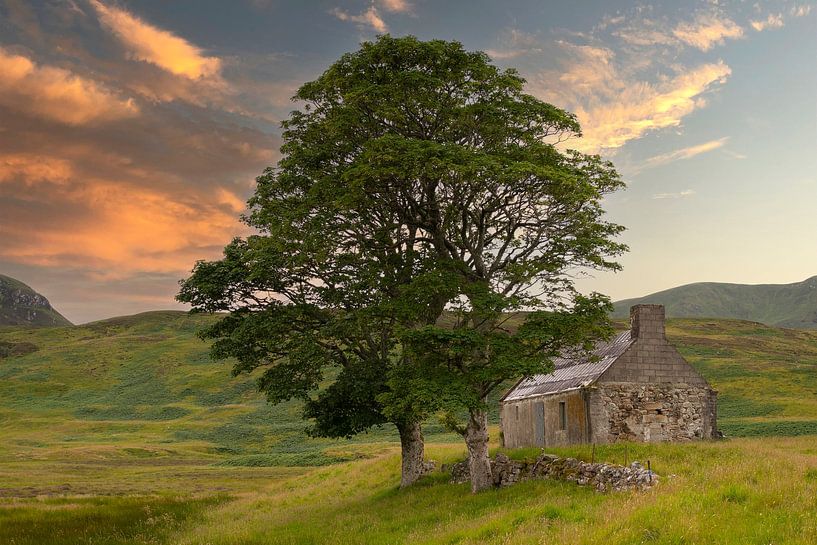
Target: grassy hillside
21	305
123	431
782	305
147	379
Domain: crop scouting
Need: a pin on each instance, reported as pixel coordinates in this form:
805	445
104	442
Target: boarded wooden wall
536	422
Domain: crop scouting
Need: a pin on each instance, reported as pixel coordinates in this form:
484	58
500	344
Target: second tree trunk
476	439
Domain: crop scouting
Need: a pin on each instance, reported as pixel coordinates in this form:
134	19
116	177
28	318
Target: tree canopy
417	179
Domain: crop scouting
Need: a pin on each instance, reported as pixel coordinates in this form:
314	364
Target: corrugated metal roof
572	371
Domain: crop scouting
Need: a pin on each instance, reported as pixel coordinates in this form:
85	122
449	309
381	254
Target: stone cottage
636	387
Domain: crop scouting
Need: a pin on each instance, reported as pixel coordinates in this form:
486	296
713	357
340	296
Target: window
562	416
517	412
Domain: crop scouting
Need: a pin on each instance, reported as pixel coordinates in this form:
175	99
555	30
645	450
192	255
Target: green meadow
124	431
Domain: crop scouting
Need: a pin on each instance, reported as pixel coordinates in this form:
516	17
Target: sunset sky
131	132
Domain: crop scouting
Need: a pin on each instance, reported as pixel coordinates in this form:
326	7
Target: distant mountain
21	305
781	305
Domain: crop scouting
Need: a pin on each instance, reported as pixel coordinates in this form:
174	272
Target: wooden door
539	423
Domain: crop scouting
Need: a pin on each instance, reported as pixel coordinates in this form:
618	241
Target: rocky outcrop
21	305
602	477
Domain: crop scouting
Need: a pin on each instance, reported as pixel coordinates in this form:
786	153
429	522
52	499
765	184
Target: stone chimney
647	322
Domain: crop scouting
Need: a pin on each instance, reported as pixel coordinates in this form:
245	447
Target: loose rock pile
602	477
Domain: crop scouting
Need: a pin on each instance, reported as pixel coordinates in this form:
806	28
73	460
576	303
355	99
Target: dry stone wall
653	413
602	477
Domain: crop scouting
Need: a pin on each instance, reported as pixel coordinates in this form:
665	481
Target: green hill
148	379
782	305
124	431
21	305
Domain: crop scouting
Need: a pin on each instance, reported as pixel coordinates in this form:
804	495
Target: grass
124	431
100	520
766	377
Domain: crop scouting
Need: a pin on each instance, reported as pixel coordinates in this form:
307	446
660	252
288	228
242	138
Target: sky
131	132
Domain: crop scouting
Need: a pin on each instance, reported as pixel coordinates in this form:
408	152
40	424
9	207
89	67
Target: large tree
417	177
455	149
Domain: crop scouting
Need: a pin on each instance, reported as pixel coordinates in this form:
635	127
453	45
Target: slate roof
572	371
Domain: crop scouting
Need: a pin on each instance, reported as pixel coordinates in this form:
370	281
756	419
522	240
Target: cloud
772	21
152	195
685	153
57	94
145	42
124	229
613	104
370	17
680	195
801	11
707	31
111	226
33	169
396	6
703	30
515	43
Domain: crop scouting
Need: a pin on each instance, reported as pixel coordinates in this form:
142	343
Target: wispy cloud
801	11
614	105
704	29
514	43
396	6
148	43
627	78
772	21
57	94
707	30
684	153
680	195
370	18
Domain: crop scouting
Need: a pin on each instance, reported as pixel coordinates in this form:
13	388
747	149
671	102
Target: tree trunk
476	438
413	450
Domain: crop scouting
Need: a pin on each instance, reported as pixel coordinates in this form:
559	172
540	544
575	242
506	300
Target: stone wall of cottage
652	412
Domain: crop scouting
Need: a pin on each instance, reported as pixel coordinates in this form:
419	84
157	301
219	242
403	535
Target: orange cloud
31	169
614	106
646	107
398	6
156	46
707	31
57	94
127	229
369	17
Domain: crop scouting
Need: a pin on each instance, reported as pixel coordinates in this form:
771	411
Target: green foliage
451	151
415	177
